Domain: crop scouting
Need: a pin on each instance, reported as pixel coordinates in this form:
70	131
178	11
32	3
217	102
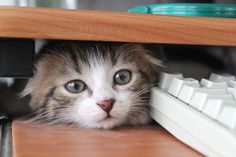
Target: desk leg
5	137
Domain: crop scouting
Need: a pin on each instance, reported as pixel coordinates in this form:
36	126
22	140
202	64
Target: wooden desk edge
44	23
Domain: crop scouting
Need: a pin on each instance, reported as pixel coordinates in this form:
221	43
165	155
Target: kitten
93	84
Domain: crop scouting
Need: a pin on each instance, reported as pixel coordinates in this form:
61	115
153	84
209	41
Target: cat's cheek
120	110
123	103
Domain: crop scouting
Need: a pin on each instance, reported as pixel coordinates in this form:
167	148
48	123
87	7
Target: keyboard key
223	77
228	116
232	84
214	106
166	79
231	91
200	99
187	92
177	84
213	84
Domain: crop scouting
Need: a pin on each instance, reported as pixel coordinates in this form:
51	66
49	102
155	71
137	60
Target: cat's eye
122	77
75	86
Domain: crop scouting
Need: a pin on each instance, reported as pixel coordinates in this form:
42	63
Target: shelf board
45	23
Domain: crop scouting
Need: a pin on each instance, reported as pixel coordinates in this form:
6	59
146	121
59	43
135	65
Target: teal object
188	9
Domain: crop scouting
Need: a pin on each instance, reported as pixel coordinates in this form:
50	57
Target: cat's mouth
107	118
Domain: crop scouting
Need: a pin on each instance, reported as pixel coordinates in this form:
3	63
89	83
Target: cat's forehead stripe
74	58
95	55
80	56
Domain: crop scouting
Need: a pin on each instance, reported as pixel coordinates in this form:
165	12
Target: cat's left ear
150	55
143	53
153	60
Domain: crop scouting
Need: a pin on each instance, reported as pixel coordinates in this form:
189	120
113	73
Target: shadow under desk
35	140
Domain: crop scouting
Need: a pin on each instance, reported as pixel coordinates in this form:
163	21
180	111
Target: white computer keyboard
202	113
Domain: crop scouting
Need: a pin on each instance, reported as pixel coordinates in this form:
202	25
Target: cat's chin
111	122
107	119
106	123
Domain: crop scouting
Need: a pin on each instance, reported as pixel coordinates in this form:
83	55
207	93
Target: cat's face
94	86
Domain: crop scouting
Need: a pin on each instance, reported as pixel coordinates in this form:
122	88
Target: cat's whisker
144	90
138	109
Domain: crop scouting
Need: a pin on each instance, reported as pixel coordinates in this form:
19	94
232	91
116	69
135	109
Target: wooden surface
32	140
44	23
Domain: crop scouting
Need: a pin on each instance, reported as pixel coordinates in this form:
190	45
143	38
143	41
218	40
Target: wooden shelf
43	23
70	141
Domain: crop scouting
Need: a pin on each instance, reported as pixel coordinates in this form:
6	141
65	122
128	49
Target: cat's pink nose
106	105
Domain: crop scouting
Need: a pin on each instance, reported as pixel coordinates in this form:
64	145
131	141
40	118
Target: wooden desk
42	23
33	140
